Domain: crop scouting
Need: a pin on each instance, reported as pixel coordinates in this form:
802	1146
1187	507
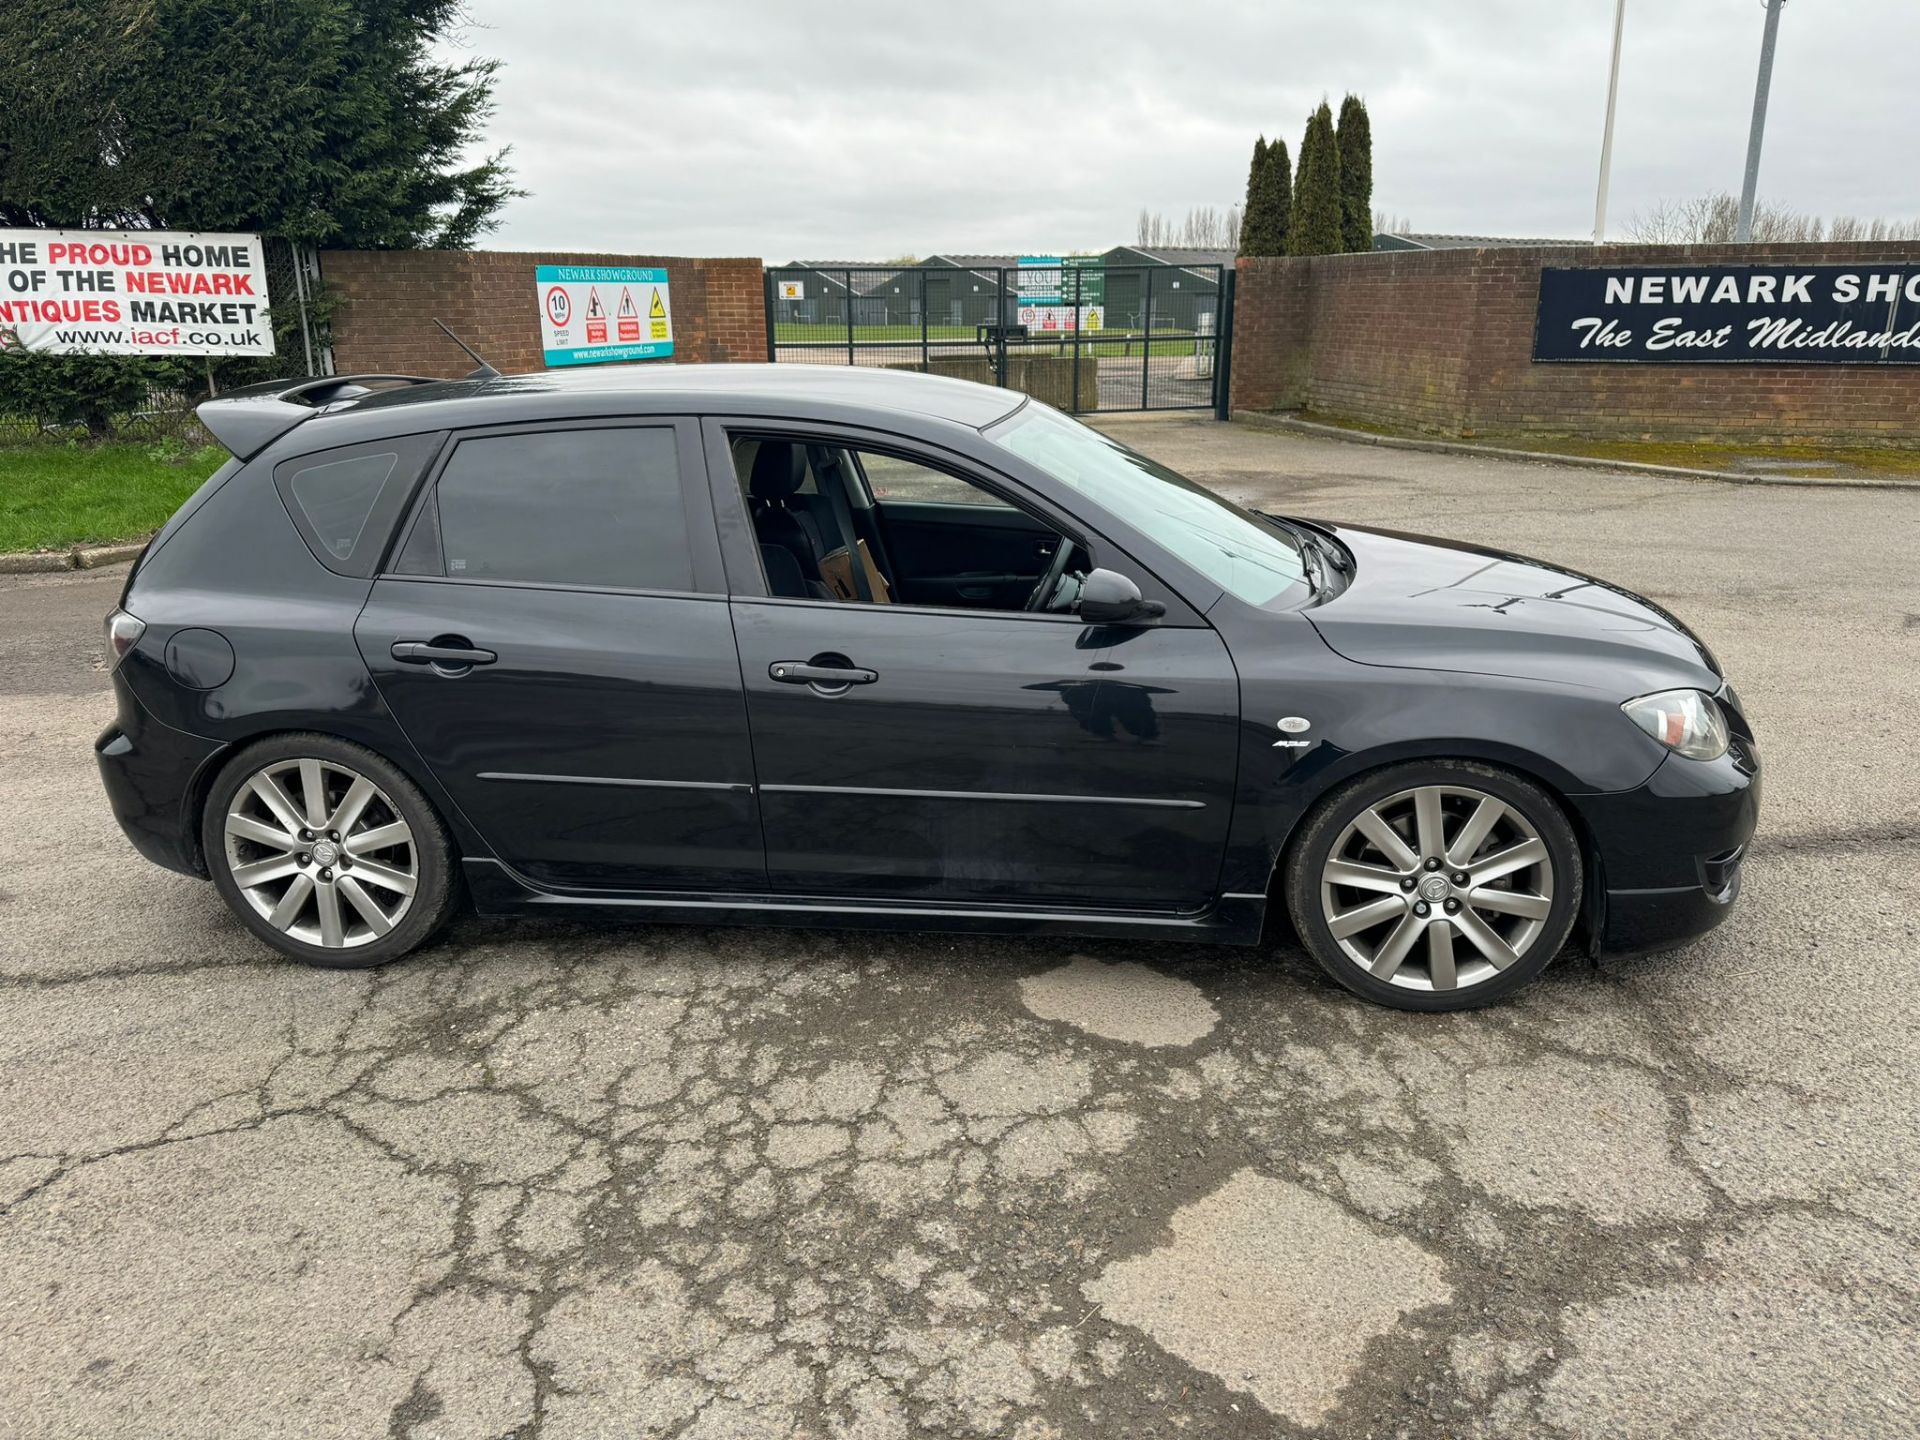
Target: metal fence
1083	335
152	399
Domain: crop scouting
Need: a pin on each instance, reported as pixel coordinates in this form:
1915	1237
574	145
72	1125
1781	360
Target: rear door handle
796	672
419	652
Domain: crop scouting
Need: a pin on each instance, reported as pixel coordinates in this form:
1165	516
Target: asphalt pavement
560	1180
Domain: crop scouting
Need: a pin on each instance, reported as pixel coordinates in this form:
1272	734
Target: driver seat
788	534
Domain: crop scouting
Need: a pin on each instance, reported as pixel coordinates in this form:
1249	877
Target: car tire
1507	890
337	860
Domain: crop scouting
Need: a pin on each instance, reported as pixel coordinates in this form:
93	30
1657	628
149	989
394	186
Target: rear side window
568	507
338	497
345	502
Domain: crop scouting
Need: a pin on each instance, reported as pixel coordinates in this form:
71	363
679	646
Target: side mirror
1110	598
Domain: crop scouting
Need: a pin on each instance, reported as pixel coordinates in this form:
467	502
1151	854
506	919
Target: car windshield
1248	558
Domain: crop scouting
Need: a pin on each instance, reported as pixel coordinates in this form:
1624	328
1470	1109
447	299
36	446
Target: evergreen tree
1314	227
332	121
1279	195
1250	235
1263	228
329	121
1355	135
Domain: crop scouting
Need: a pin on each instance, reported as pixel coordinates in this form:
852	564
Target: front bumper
153	773
1669	853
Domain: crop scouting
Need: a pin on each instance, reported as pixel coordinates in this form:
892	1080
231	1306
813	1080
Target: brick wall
1442	341
389	299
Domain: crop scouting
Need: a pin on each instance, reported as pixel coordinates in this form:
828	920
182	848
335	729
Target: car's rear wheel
1435	885
327	852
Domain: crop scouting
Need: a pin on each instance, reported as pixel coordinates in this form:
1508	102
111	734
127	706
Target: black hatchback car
784	645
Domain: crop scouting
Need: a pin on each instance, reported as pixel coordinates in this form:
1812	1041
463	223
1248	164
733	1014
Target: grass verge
55	496
1831	461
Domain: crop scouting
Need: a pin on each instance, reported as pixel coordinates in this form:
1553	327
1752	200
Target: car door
553	637
974	755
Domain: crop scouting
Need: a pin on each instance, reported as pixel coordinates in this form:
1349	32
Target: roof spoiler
249	419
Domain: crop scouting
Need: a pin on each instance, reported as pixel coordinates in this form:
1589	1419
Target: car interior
923	536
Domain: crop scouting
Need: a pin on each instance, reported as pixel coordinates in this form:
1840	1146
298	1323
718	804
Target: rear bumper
152	775
1670	852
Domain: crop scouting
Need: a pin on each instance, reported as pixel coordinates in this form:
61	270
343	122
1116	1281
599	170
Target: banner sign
594	313
1047	287
1731	314
133	292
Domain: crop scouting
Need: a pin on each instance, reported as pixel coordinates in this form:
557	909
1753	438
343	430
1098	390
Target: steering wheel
1049	582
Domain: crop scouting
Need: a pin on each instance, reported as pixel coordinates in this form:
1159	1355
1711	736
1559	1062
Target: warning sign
597	315
133	292
793	289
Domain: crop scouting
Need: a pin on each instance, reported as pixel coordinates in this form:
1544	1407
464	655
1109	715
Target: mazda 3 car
809	646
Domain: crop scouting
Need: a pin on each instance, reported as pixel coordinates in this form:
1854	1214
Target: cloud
863	130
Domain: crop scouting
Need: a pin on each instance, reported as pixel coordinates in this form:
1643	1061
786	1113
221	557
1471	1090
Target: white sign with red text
133	292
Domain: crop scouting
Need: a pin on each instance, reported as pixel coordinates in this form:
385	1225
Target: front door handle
420	652
796	672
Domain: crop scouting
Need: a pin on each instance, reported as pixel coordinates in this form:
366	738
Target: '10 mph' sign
592	313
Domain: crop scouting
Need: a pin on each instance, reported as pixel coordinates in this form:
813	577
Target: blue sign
590	314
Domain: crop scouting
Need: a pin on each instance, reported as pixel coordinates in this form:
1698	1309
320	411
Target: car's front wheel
327	852
1435	885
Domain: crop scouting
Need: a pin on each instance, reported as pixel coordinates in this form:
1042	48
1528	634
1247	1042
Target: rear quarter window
345	502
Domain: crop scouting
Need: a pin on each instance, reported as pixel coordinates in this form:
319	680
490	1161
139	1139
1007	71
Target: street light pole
1743	234
1606	136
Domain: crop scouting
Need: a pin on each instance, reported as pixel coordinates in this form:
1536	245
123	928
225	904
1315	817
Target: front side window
912	534
899	480
1251	560
567	507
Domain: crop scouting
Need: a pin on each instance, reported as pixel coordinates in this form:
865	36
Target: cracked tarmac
555	1180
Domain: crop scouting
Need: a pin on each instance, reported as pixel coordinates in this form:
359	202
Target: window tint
575	507
337	498
892	478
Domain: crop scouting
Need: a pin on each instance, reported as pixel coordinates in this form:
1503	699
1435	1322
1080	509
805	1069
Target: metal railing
1084	336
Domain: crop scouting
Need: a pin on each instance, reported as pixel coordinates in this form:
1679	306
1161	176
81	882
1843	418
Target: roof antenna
486	371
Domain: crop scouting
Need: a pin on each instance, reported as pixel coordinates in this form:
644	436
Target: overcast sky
858	130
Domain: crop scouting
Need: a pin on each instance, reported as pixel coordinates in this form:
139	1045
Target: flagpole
1606	136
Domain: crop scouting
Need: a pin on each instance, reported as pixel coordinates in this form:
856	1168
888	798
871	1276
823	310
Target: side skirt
497	890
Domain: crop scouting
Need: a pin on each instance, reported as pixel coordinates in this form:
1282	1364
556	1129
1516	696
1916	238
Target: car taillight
123	633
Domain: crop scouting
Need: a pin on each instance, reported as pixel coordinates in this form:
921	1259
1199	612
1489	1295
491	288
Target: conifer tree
1250	232
1314	225
1355	136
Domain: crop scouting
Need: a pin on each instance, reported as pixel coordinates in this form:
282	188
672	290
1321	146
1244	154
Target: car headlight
1687	722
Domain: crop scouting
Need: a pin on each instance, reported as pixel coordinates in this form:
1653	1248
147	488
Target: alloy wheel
1437	888
321	852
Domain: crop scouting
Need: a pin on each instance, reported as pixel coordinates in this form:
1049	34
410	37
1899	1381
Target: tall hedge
1315	225
1355	136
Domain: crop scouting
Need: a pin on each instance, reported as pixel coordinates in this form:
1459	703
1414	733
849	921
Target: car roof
659	388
